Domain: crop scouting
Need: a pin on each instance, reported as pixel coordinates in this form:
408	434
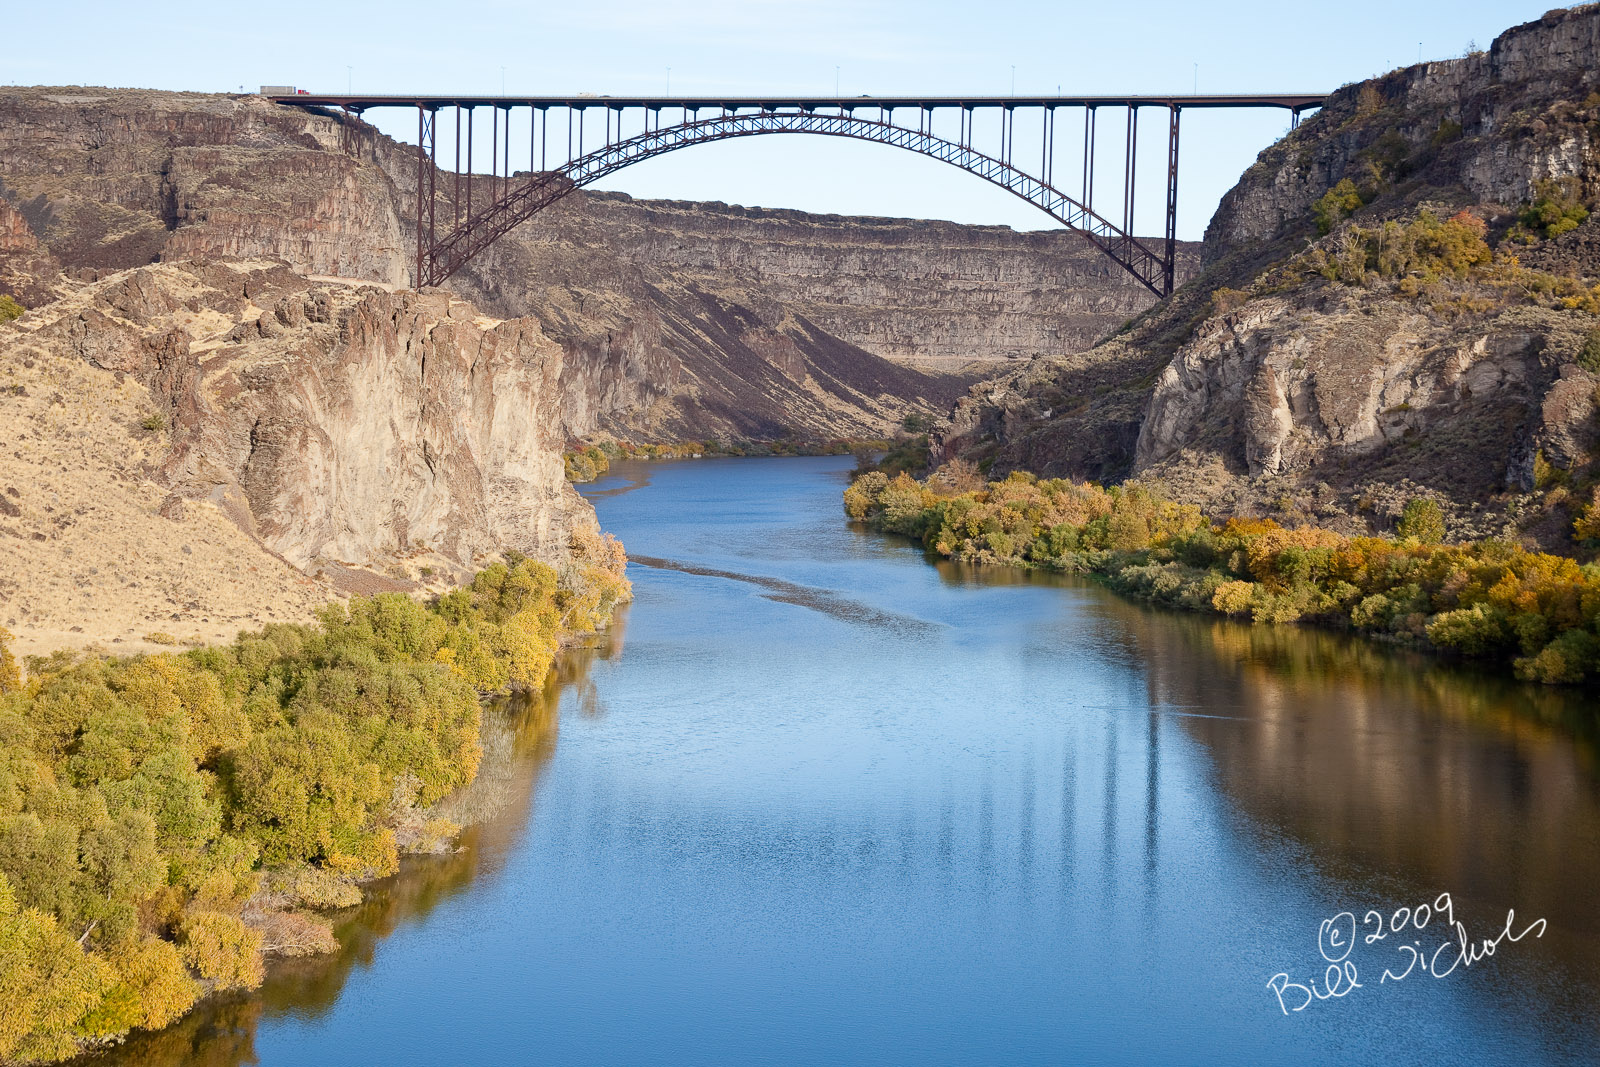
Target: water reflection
1391	766
519	738
1397	769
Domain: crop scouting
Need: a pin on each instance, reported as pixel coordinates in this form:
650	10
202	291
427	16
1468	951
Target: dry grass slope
89	557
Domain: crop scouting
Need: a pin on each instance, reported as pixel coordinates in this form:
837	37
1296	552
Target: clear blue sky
782	46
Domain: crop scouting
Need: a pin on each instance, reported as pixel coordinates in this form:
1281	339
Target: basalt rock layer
927	293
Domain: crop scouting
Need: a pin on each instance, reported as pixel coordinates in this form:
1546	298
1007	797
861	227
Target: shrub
1589	355
862	495
1336	205
48	982
1476	631
1586	527
1417	255
153	422
1224	300
903	507
10	309
222	950
1422	520
10	674
1557	207
586	464
1233	598
1571	657
153	988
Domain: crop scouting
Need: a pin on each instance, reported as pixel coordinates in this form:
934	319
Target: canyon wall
225	407
1291	380
367	437
1485	128
685	320
929	293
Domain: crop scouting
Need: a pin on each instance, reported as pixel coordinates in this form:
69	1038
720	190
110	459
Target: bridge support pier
1169	267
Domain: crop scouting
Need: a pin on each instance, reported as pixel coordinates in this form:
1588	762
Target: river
815	801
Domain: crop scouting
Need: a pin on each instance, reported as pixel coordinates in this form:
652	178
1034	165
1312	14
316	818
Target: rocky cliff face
931	294
341	426
686	320
1484	128
1372	395
1266	387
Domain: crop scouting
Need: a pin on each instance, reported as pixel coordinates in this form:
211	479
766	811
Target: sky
938	47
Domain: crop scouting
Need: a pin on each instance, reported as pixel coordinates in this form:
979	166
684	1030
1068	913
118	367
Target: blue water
821	802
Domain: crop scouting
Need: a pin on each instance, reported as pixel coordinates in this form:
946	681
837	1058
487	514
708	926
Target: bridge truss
454	225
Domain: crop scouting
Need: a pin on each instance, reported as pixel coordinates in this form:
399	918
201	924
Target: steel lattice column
1172	203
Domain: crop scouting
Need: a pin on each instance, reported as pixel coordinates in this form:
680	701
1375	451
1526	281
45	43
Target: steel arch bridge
448	239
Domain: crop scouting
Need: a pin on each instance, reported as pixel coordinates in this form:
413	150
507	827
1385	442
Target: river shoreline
830	799
1528	612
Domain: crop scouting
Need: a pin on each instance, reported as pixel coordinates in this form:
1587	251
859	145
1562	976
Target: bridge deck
1290	101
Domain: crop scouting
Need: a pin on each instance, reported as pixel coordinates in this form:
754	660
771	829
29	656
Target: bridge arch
439	259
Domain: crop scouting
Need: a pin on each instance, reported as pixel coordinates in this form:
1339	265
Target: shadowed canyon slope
1332	371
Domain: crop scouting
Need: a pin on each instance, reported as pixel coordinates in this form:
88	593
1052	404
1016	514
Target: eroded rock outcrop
1483	128
340	425
1341	386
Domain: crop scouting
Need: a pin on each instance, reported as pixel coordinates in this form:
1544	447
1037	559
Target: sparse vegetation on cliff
1538	613
145	801
1336	205
1447	261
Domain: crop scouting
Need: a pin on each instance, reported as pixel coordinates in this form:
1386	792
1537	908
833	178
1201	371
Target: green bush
1557	207
1336	205
9	308
1416	254
1423	520
587	463
1589	354
1476	631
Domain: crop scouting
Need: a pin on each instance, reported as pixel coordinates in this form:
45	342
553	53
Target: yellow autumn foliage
141	798
1535	611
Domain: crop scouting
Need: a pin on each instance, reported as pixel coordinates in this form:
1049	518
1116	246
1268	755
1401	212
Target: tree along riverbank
166	821
1536	613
